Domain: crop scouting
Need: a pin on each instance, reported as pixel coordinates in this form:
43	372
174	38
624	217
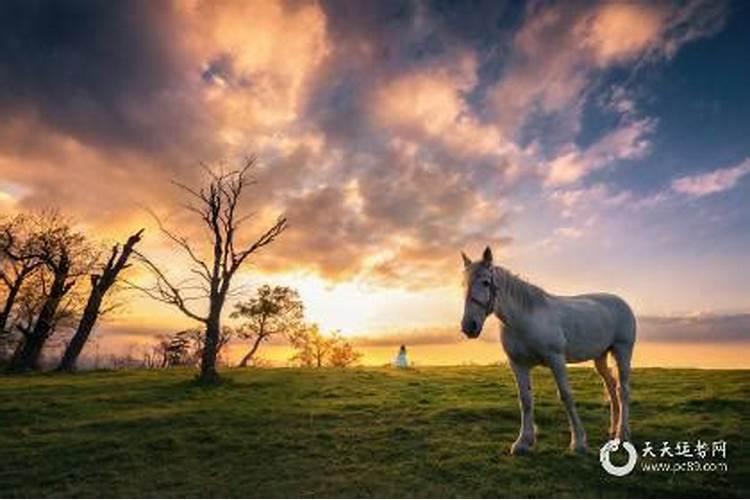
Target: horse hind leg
610	385
623	354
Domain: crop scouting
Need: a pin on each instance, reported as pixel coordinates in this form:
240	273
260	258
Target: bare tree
216	207
272	311
19	258
100	285
66	256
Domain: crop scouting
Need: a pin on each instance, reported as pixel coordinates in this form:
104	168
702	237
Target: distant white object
401	360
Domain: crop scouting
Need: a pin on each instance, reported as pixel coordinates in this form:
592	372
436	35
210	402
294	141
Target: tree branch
163	290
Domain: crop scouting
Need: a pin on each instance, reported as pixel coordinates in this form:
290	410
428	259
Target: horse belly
589	333
579	349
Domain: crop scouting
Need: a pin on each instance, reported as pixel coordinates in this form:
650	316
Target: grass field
360	432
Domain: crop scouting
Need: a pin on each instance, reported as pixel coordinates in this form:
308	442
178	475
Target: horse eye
485	283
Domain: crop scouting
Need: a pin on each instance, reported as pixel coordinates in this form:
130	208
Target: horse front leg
526	437
577	433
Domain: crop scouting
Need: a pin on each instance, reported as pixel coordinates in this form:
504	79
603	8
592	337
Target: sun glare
354	308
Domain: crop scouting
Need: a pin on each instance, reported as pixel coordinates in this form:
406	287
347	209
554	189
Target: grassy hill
360	432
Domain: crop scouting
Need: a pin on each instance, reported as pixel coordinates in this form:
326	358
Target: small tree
272	311
315	350
311	346
184	348
177	350
343	353
216	207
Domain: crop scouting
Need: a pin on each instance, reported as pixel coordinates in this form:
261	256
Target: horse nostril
470	327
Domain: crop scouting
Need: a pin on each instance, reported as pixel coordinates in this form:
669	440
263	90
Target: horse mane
525	294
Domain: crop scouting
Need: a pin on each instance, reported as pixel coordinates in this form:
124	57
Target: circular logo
618	470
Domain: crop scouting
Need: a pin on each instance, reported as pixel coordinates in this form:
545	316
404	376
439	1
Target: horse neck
507	306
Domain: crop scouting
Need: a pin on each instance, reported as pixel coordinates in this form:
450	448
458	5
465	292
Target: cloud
388	132
696	328
97	71
569	232
558	57
573	200
627	142
429	105
716	181
621	31
398	221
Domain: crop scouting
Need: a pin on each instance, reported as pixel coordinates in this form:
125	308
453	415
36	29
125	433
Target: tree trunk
4	316
208	358
88	320
27	355
99	287
9	301
251	353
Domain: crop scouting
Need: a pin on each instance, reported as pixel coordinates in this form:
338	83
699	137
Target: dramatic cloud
561	46
391	134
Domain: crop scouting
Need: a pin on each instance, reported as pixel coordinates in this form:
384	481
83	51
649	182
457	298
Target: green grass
361	432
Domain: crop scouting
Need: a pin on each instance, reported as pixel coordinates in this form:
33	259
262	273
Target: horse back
593	323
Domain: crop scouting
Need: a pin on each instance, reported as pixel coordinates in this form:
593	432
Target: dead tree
216	207
100	285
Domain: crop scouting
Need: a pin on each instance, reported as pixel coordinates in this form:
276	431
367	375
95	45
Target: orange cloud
429	104
620	31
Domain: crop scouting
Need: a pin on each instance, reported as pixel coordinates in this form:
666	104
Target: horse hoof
520	448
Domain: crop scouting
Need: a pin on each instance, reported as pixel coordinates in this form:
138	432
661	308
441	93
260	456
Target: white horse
543	329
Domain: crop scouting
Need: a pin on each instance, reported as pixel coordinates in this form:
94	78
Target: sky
594	146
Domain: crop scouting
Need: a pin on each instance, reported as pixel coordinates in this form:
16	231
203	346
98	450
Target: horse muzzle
471	328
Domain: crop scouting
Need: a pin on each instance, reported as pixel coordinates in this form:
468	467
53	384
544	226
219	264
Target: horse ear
487	256
467	261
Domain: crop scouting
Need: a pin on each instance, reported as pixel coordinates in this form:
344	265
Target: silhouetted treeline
43	262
